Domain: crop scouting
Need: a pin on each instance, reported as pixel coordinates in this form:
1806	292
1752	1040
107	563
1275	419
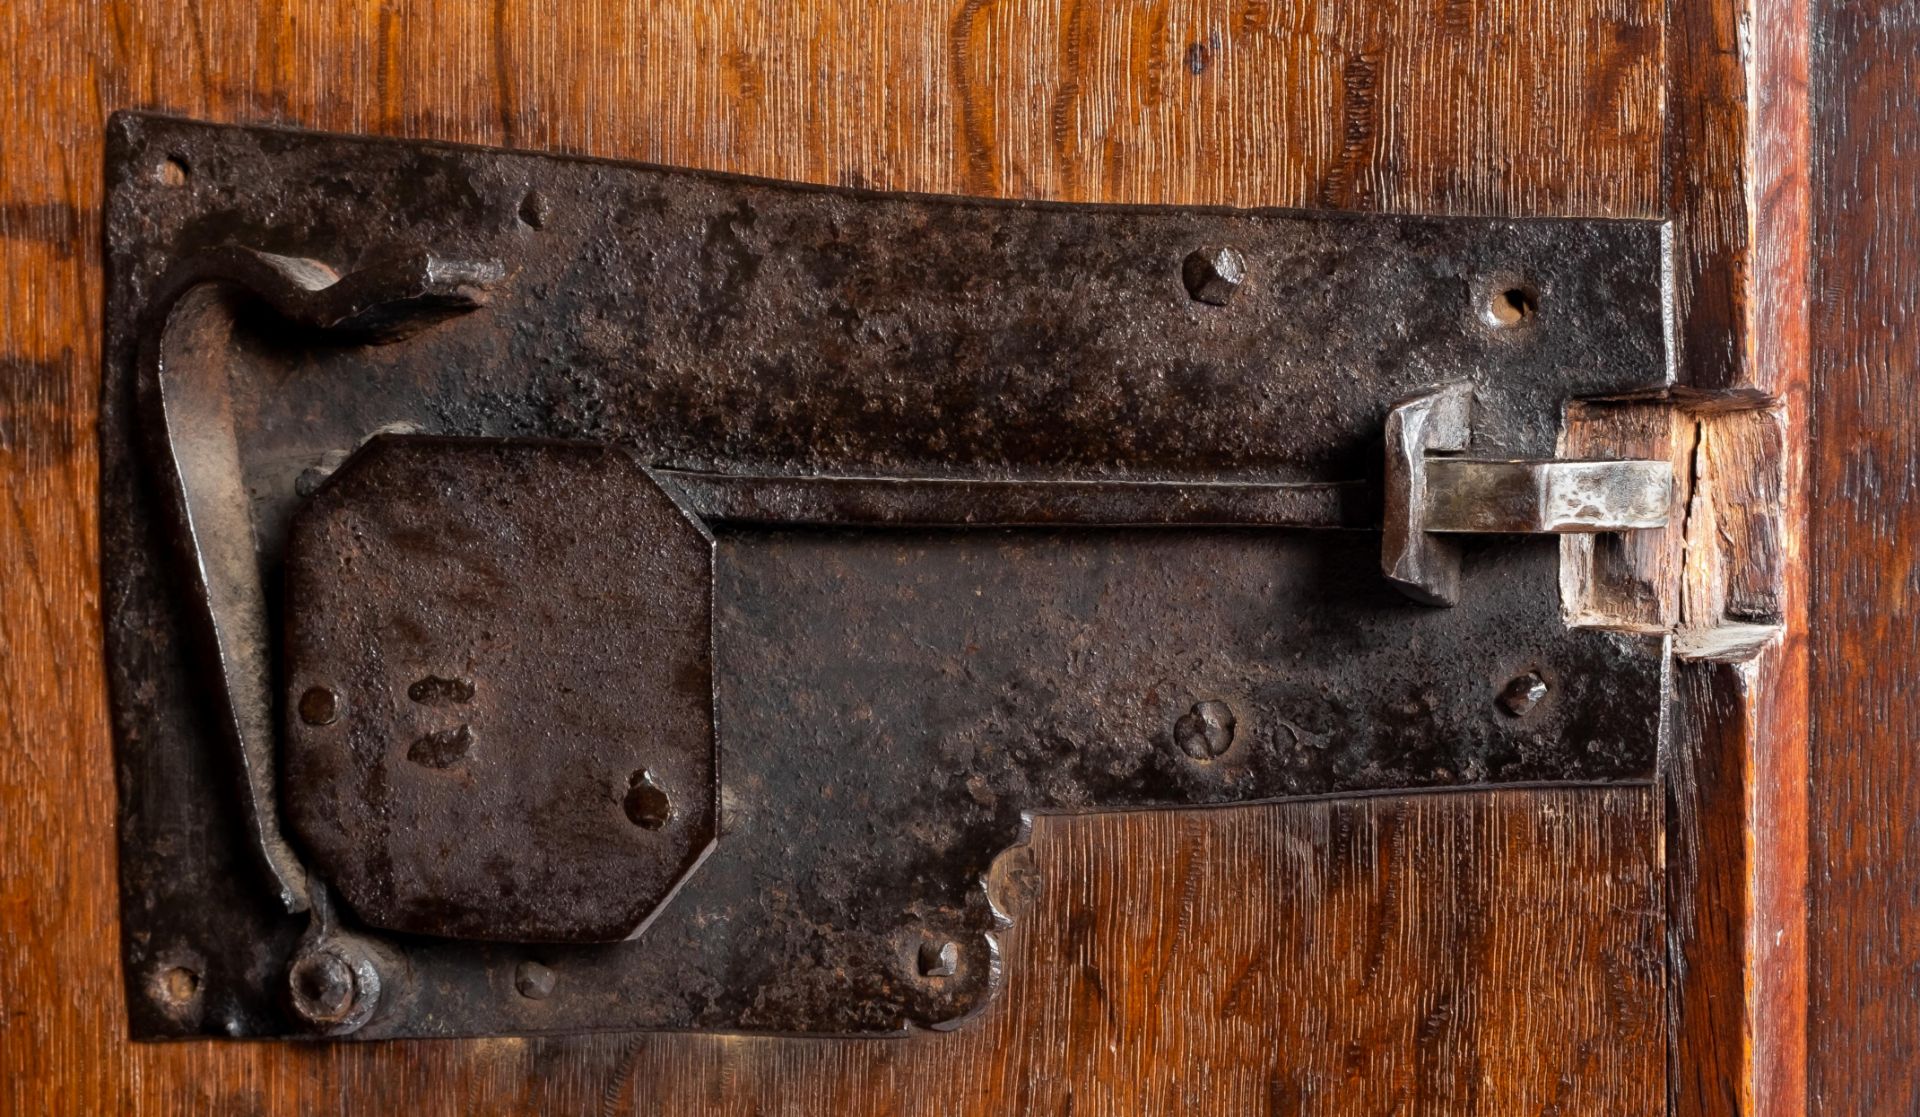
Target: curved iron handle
184	388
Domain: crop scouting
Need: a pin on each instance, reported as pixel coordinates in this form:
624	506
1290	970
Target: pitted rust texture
735	326
894	703
520	643
889	702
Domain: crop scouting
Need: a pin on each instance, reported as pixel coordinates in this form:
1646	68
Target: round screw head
533	981
1205	731
319	705
1519	697
1212	275
322	985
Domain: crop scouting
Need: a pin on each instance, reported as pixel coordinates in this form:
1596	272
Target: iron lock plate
722	572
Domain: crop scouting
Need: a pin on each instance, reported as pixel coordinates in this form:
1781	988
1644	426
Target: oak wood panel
1736	780
1724	580
1495	954
1423	105
1737	174
1865	560
1327	959
1736	184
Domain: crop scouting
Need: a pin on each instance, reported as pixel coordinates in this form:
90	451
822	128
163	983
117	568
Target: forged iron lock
671	592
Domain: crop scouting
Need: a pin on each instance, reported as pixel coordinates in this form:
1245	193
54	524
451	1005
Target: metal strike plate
723	572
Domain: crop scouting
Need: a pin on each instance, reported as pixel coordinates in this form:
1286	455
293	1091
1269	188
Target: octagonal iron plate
499	690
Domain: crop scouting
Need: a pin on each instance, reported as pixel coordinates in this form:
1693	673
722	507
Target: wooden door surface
1602	951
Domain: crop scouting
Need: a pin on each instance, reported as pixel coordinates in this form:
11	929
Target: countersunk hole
647	804
1512	305
177	985
173	171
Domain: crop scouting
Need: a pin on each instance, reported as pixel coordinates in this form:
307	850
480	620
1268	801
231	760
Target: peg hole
1511	306
173	171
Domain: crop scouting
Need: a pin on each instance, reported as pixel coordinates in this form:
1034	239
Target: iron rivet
319	706
939	959
1206	731
1519	697
1212	275
533	981
333	987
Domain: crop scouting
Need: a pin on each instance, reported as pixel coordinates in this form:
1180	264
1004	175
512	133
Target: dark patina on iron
891	692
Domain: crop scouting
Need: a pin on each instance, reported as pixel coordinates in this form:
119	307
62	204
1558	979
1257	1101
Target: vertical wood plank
1865	1025
1736	171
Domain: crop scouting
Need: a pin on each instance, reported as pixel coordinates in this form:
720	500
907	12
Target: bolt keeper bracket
1430	496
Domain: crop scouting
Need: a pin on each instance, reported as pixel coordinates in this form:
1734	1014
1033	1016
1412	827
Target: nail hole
1512	306
1522	694
177	985
173	171
648	806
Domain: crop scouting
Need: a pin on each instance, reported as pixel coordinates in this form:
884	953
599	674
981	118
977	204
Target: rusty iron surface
516	649
887	705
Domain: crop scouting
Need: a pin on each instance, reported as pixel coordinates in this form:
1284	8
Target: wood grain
1448	106
1724	580
1736	185
1865	1025
1736	175
1495	953
1630	581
